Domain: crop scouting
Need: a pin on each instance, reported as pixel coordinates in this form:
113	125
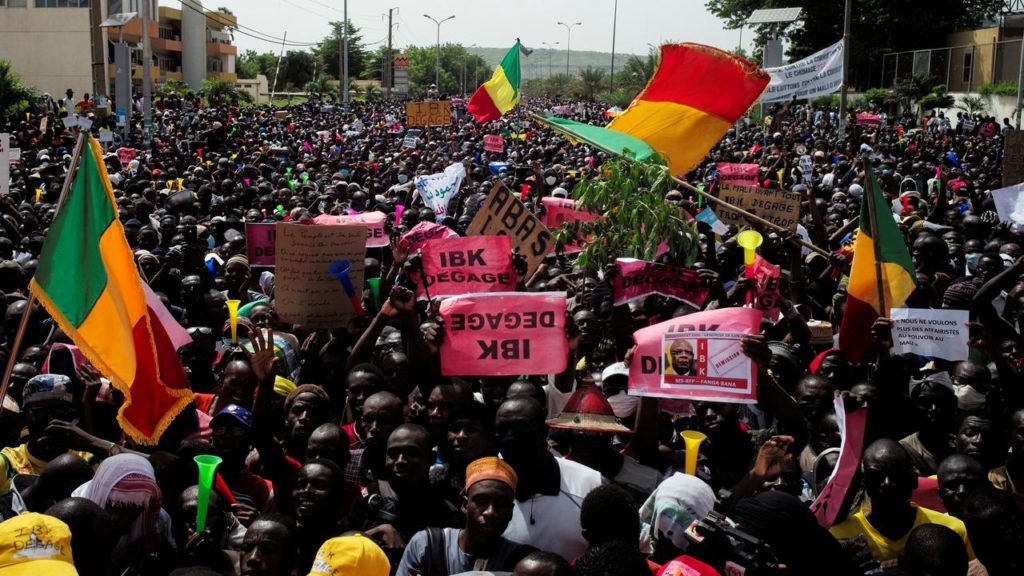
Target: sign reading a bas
776	206
1013	157
502	214
431	113
504	334
306	293
467	265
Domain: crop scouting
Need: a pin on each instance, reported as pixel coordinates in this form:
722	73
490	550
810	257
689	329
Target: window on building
968	65
62	3
13	3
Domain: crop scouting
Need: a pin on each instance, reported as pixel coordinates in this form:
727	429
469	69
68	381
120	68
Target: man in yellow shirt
889	480
47	410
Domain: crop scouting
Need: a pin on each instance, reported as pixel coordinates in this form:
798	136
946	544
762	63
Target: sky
489	23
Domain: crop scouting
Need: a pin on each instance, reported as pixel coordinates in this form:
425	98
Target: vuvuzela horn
693	439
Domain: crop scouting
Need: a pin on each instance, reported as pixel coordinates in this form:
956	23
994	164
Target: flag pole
27	314
876	241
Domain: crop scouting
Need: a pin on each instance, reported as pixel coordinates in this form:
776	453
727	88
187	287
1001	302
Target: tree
221	91
876	26
14	96
938	98
251	64
592	79
454	59
329	52
174	87
296	68
637	71
321	88
972	105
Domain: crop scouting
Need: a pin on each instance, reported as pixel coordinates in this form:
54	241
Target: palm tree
592	79
371	92
174	87
972	105
638	70
320	88
14	96
222	91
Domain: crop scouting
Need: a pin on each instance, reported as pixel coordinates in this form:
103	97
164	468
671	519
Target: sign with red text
126	155
768	293
422	233
865	119
558	211
260	240
494	143
639	279
376	234
702	365
430	113
474	264
504	334
647	365
732	173
502	214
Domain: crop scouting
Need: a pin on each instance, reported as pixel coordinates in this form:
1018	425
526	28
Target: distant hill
536	65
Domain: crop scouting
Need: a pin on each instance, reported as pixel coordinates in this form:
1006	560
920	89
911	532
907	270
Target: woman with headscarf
125	487
668	512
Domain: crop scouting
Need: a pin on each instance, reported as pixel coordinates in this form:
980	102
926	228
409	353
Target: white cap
856	190
560	192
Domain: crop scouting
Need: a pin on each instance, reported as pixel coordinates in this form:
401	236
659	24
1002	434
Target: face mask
968	399
403	178
624	406
550	180
344	172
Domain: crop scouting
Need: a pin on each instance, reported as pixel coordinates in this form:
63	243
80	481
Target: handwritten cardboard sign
502	214
639	279
376	234
1013	157
432	113
558	211
733	173
776	206
768	294
930	333
504	334
260	243
645	370
422	233
454	266
305	291
494	143
702	365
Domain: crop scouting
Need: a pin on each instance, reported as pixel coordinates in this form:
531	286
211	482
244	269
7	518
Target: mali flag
898	275
87	280
501	93
695	95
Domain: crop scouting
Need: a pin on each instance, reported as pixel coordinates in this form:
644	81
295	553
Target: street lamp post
568	42
437	62
615	25
551	50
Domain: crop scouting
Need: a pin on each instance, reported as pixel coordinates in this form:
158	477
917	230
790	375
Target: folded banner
819	74
376	234
865	119
437	190
731	173
504	334
474	264
638	279
829	504
645	369
558	211
422	233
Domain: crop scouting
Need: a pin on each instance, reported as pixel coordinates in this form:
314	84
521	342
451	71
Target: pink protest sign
494	143
376	235
731	173
637	279
126	155
422	233
558	211
646	367
504	334
865	119
768	294
260	240
474	264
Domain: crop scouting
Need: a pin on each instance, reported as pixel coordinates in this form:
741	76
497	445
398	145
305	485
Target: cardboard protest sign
558	211
1010	203
829	503
494	143
437	190
305	292
768	293
1013	157
5	163
731	173
433	113
708	216
473	264
422	233
639	279
645	370
932	333
260	242
376	234
504	334
776	206
503	214
126	155
703	365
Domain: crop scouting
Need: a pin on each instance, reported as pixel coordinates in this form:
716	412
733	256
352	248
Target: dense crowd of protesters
346	452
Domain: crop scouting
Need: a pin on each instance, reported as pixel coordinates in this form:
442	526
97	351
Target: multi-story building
59	44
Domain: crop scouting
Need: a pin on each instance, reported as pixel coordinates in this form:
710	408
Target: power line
240	29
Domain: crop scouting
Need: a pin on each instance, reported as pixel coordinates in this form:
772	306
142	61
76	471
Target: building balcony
217	20
221	49
165	45
226	76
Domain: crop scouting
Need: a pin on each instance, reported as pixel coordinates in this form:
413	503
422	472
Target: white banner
930	333
1010	203
818	74
5	163
437	190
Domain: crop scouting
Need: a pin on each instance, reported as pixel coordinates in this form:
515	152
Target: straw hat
588	410
821	332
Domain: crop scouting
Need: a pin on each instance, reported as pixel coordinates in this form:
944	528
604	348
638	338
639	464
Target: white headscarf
672	507
126	479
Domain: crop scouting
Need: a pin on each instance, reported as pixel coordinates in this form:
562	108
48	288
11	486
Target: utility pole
846	70
147	80
388	60
277	71
437	60
551	50
615	25
568	42
344	24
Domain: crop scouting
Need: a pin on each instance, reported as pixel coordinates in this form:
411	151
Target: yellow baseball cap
33	544
350	556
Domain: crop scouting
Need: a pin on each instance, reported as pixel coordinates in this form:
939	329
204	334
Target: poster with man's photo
696	363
